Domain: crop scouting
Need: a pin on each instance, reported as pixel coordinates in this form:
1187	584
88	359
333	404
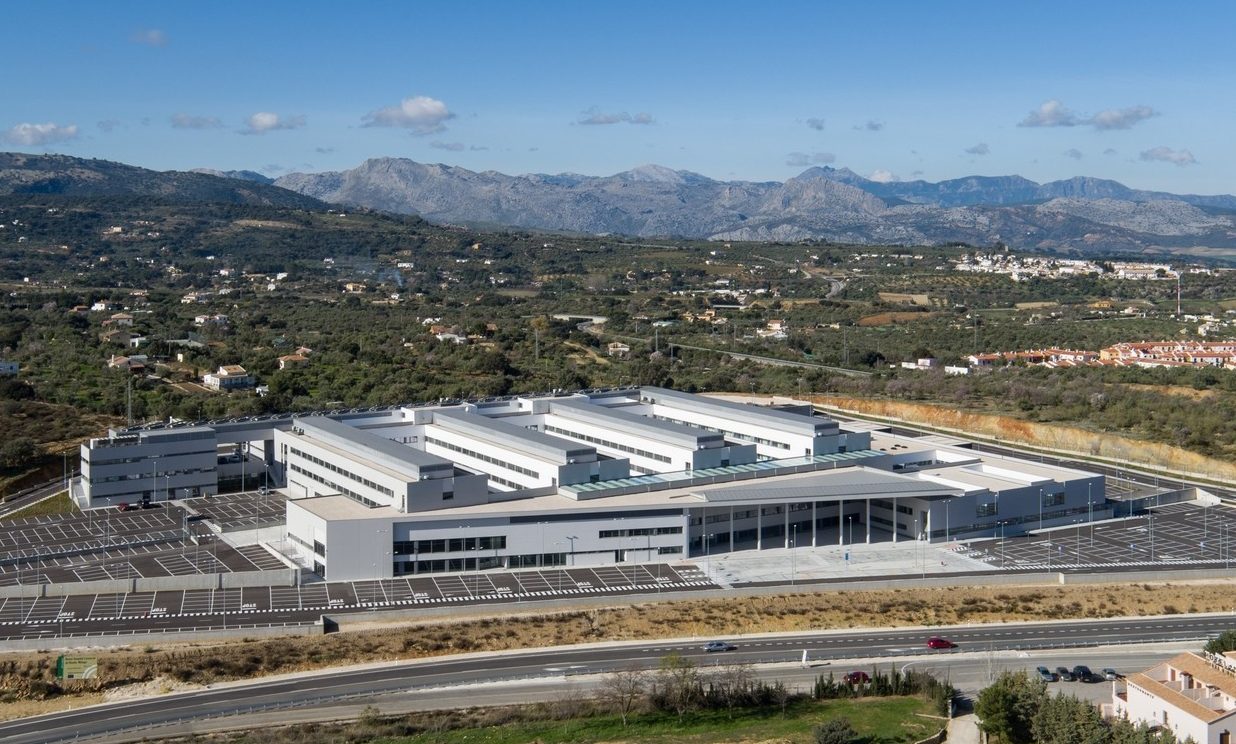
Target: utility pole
129	398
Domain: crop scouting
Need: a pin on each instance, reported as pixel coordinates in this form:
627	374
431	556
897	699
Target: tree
1007	707
1067	720
678	683
623	690
836	731
17	452
1224	643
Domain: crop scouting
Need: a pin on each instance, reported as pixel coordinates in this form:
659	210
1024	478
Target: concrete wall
280	577
153	639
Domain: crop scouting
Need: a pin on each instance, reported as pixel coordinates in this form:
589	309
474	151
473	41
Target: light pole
793	543
1001	523
154	480
1040	509
1090	514
849	523
572	538
559	570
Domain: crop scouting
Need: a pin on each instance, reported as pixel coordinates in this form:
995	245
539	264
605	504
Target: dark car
938	642
856	678
1083	673
1046	674
713	646
1064	674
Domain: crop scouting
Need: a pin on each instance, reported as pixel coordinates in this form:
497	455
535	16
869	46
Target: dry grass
1066	439
27	676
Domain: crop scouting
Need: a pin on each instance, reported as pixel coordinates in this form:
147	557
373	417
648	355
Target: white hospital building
587	478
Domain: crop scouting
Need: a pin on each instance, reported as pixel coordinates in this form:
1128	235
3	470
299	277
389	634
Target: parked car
1111	675
1064	674
123	507
1083	673
713	646
938	642
1046	674
856	678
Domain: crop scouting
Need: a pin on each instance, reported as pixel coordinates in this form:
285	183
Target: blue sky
1136	91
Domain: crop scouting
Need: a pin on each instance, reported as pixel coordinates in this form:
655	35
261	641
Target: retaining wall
156	639
277	577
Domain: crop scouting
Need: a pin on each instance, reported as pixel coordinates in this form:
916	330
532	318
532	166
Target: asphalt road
308	690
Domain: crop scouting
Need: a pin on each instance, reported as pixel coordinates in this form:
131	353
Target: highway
474	668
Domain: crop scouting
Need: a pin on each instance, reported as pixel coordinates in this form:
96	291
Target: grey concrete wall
280	577
175	583
156	639
102	586
22	590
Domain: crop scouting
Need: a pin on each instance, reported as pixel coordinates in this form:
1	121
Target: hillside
61	175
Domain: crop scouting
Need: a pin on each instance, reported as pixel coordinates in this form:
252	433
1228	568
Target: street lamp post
1001	523
572	538
1040	509
1090	514
793	544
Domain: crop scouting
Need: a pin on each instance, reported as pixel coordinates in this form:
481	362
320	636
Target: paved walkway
964	730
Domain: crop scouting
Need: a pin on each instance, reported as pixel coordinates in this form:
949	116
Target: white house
228	377
1192	695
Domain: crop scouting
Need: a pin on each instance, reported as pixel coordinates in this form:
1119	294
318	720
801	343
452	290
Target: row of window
334	486
451	545
641	532
731	434
91	462
147	476
482	457
336	469
442	565
612	445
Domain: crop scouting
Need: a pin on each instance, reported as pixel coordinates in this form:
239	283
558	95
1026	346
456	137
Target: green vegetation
58	504
1016	709
575	721
1224	642
381	300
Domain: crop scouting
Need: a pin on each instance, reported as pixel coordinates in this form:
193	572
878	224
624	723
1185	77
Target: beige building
1192	695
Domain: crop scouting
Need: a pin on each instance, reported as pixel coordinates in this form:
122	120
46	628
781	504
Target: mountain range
1078	215
1075	216
61	175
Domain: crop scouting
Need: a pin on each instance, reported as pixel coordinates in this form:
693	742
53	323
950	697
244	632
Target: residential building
228	377
1191	695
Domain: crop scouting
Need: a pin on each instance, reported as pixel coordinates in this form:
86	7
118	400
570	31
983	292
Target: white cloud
1074	153
816	124
1168	155
40	134
1121	118
264	121
150	37
1053	113
596	117
871	125
189	121
1050	114
803	159
979	149
880	175
422	114
452	146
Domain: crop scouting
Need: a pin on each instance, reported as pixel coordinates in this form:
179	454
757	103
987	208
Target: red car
938	642
856	678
